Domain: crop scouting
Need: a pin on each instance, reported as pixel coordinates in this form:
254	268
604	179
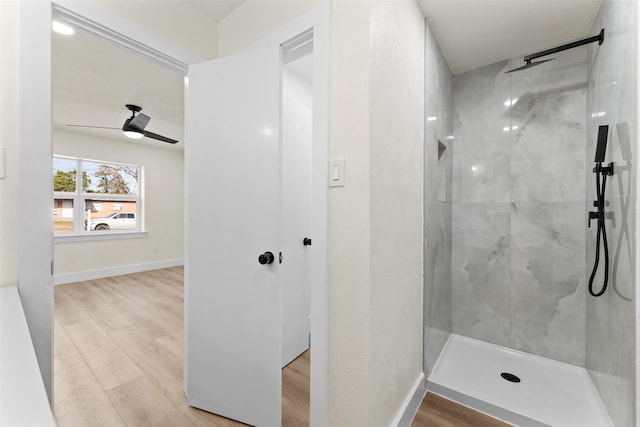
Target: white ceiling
93	80
474	33
216	10
189	23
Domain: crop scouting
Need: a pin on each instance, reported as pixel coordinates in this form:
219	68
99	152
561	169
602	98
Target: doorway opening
296	238
125	35
118	309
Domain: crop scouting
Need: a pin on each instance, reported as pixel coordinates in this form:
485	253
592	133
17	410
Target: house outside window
96	197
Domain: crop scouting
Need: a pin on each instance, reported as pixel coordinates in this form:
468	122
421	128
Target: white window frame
79	197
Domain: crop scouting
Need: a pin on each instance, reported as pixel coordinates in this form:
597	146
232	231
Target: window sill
86	237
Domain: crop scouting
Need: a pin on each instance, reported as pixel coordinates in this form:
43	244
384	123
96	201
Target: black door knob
306	241
266	258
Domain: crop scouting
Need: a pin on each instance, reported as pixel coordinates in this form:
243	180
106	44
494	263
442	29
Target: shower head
527	59
528	64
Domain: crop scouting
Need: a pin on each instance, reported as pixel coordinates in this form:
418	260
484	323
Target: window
92	197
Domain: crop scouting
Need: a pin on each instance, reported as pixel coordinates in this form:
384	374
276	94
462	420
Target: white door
232	302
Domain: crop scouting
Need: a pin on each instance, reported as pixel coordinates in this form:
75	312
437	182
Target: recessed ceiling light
61	28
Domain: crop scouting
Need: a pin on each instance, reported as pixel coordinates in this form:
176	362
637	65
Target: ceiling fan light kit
133	127
133	134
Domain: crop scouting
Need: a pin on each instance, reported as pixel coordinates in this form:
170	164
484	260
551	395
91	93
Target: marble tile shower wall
518	200
437	201
611	100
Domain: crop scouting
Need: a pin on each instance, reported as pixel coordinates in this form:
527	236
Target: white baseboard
79	276
409	408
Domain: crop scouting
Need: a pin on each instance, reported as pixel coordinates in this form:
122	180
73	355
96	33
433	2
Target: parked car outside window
115	221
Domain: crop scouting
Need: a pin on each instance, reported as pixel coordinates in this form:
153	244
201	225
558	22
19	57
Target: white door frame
35	151
35	263
318	19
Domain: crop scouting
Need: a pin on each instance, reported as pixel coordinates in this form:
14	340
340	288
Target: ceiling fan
134	126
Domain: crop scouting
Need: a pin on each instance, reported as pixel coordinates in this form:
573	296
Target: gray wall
518	258
438	155
611	100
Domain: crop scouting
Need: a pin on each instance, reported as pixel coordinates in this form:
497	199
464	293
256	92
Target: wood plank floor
118	356
118	361
436	411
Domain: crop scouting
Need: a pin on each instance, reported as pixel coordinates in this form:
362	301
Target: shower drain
510	377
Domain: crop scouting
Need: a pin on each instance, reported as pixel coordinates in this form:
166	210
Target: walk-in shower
508	247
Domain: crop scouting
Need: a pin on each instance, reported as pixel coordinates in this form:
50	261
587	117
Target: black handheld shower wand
601	234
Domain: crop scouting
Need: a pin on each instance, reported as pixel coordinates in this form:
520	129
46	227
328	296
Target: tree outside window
105	189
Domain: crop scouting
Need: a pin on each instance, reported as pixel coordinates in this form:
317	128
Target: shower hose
601	235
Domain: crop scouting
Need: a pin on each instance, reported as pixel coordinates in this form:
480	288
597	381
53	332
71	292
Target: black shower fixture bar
528	58
599	38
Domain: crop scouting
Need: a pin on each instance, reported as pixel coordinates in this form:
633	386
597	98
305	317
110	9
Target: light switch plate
336	172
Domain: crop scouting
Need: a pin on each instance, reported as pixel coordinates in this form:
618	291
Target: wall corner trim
409	408
79	276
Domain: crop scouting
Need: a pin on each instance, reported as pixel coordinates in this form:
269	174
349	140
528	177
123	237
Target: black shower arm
599	38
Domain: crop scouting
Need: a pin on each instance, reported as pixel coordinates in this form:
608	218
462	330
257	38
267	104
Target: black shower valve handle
593	215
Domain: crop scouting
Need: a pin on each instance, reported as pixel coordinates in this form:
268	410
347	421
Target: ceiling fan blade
140	121
159	137
94	127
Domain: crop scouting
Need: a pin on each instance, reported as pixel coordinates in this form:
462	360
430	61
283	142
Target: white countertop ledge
23	400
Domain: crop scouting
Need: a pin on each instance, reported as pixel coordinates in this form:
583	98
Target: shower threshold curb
502	414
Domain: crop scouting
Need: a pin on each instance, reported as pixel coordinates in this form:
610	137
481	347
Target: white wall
163	206
254	19
9	140
349	218
396	119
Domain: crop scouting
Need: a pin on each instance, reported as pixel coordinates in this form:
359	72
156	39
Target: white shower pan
549	394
